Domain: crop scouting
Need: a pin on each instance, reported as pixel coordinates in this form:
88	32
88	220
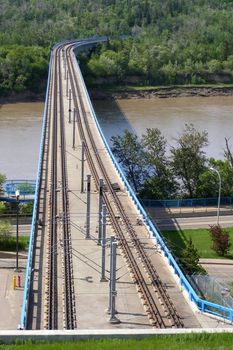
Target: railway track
59	257
160	308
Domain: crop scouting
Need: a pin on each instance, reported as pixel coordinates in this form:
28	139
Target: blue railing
27	285
194	202
24	186
203	305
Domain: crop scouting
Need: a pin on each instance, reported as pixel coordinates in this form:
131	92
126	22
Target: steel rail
69	312
52	300
152	308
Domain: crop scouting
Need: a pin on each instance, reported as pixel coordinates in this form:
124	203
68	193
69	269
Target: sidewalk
10	299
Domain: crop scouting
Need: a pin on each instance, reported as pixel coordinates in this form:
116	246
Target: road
24	230
192	222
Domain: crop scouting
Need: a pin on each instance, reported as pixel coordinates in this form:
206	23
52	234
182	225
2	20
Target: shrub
221	239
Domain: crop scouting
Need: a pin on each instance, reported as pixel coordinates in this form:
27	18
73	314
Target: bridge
81	195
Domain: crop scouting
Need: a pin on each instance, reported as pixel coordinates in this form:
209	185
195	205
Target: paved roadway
192	222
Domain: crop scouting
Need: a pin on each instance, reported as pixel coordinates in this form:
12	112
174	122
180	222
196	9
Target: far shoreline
133	92
139	92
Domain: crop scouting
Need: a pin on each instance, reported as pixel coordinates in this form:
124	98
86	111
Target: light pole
17	194
219	192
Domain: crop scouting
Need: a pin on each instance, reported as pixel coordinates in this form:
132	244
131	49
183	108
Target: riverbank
117	92
138	92
22	97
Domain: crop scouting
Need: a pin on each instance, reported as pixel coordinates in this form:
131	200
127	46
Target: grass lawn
201	239
175	342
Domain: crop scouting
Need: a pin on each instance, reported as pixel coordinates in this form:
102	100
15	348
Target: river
214	114
20	125
20	128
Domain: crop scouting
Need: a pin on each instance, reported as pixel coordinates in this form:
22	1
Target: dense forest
173	41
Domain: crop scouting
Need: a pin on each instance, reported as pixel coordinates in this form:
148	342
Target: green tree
5	229
190	259
130	154
189	160
2	180
161	183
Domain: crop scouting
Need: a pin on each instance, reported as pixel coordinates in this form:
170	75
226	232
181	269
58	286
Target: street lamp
219	191
17	195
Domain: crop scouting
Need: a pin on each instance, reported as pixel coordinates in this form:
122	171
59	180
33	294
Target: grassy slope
200	238
177	342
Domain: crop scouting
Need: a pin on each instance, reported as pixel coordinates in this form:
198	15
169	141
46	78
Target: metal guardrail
179	203
27	285
203	305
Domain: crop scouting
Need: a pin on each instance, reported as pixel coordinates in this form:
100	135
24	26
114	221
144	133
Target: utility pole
17	230
101	182
88	206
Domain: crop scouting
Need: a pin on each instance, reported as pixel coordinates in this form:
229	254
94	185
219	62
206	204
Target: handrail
27	285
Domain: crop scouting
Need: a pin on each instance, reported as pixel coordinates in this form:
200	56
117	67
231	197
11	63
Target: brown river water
20	125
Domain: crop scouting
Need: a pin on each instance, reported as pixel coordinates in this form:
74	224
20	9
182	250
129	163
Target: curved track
159	306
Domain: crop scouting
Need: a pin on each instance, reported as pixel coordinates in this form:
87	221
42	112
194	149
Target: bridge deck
91	295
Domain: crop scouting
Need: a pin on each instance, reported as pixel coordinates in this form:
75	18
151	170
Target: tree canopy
174	41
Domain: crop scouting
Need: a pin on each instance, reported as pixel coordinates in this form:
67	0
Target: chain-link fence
212	290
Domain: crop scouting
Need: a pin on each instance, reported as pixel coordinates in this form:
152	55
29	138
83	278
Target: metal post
82	167
103	241
67	83
219	192
74	117
219	196
101	182
112	239
69	105
17	195
113	318
88	206
17	234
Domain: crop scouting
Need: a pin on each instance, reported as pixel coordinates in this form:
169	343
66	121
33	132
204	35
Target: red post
19	281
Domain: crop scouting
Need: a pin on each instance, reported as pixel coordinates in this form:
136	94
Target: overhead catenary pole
82	167
67	83
112	239
113	318
101	182
69	105
74	119
88	207
103	243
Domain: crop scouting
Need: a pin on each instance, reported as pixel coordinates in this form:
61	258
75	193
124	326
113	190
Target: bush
190	259
221	240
